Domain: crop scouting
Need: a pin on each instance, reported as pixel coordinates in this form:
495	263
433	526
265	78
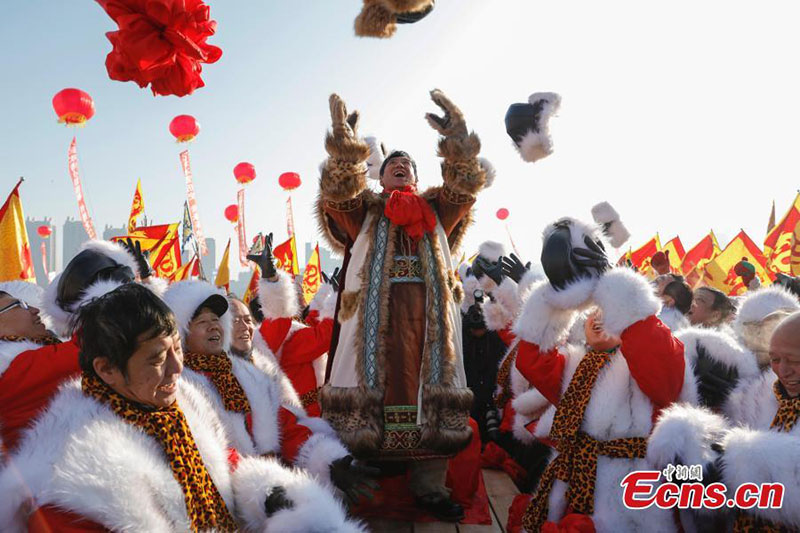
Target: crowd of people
130	405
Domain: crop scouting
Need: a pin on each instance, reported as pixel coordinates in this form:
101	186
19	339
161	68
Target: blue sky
683	116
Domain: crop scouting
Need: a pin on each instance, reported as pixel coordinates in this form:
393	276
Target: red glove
660	262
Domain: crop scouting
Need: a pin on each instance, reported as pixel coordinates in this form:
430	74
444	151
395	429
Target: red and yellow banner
186	271
197	229
252	287
312	278
163	243
223	278
676	253
286	256
778	242
15	248
137	207
72	165
719	272
241	227
640	258
289	218
700	254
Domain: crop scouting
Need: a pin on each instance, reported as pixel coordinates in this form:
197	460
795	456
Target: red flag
286	256
700	254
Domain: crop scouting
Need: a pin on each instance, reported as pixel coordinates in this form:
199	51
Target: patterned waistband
406	269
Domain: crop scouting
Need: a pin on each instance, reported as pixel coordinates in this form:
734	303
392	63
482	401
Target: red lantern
44	231
289	181
184	128
502	213
244	173
232	213
73	106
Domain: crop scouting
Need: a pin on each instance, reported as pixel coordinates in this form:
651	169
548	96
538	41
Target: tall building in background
73	237
327	262
31	225
110	231
239	286
210	261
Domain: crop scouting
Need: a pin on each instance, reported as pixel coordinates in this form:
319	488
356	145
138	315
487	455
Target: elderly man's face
14	320
398	173
784	354
243	328
205	334
152	372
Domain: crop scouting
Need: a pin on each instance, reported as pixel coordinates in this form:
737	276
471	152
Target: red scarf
411	212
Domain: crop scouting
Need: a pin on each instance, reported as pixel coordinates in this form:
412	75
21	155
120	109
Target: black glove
493	270
333	279
564	264
264	260
277	500
513	267
354	479
142	263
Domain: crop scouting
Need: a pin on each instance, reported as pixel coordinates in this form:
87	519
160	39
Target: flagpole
510	238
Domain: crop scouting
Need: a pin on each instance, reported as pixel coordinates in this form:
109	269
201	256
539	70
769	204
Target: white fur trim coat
82	458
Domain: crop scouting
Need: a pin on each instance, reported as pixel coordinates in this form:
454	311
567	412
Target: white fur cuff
317	454
625	298
278	298
685	433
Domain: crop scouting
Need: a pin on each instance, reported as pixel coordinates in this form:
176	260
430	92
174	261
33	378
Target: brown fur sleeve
344	173
461	171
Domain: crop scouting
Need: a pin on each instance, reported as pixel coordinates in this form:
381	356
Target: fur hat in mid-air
528	125
379	18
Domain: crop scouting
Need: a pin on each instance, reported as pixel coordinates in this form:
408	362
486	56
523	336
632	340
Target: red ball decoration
73	106
289	181
184	128
232	213
244	173
502	213
44	231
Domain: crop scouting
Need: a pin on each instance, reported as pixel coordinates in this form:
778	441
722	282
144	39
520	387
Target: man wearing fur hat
249	401
131	447
301	349
600	401
33	361
396	386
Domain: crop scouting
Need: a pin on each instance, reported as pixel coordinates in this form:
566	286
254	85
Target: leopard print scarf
788	409
219	369
504	379
204	504
45	340
576	463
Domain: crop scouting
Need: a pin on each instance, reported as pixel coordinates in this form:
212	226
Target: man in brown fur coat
396	388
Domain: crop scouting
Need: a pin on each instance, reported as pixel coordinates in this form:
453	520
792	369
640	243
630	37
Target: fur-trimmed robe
80	458
300	349
30	375
646	374
411	330
274	428
751	451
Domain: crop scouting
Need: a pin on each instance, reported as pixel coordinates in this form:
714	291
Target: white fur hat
760	311
537	144
62	319
377	153
185	297
613	228
491	250
30	293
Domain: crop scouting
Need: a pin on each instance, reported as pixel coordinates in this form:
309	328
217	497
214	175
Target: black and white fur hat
60	318
185	297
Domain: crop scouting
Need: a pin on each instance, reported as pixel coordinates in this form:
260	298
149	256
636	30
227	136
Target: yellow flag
719	272
676	253
311	277
778	242
137	207
223	274
15	249
286	257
